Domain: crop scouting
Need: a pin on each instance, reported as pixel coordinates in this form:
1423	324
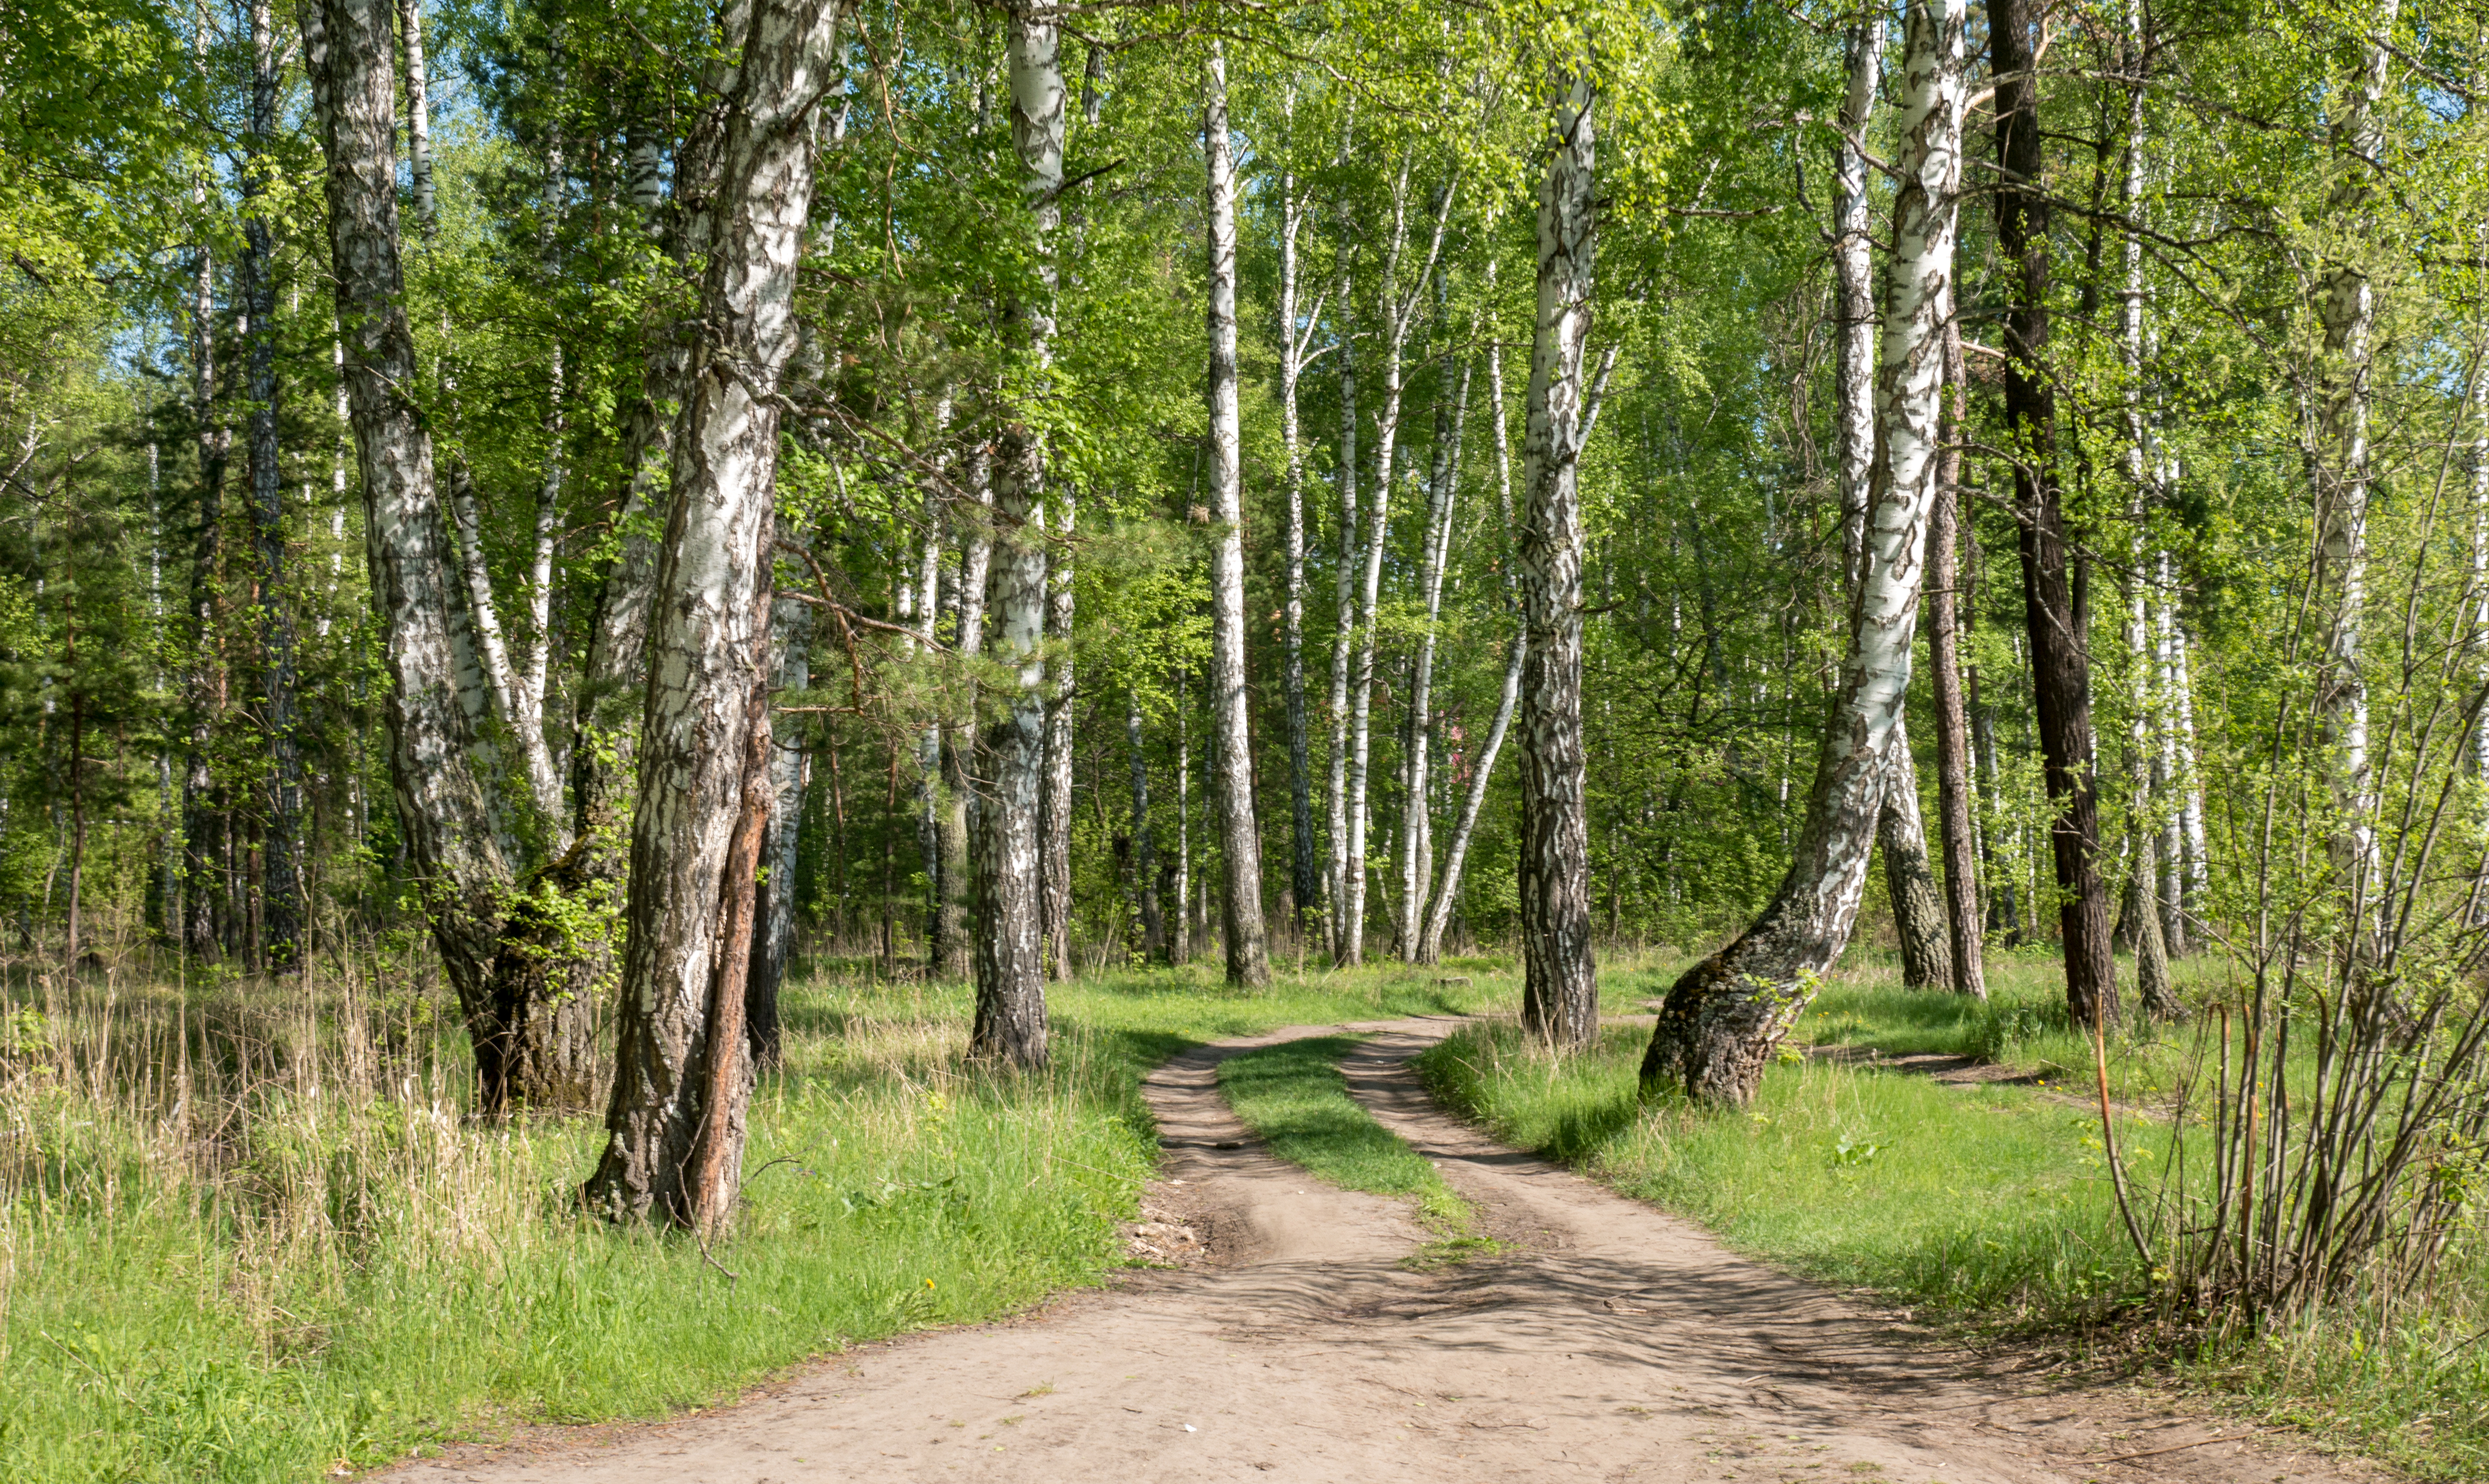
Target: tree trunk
418	114
1306	881
1010	956
1343	640
1722	1019
1416	848
1560	986
1180	943
2347	309
202	827
1056	827
1145	852
1918	907
1399	315
2060	651
280	884
447	816
951	947
682	1080
1239	844
1944	672
790	662
2142	906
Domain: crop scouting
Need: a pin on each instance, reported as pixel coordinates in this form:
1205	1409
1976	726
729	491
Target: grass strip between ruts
1295	1097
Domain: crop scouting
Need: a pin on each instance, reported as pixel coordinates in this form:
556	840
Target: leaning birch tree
1724	1017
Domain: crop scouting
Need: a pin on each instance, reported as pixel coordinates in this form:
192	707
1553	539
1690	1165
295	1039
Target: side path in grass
1610	1341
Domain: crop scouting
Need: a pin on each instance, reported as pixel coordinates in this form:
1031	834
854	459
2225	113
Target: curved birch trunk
1239	844
1560	985
1447	884
451	827
1723	1019
683	1076
1011	957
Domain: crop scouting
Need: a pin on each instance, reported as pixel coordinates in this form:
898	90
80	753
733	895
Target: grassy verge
1294	1096
248	1238
1984	1207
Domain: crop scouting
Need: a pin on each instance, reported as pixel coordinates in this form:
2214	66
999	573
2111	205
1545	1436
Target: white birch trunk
1344	637
1723	1019
1010	961
1416	844
1559	987
1305	877
1248	962
682	1078
1056	827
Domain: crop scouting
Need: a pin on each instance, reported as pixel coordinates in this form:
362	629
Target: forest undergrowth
1984	1207
251	1232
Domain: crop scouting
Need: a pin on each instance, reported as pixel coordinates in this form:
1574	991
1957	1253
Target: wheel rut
1609	1341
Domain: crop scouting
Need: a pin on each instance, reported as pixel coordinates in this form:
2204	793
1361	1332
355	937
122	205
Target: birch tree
1010	968
1248	963
682	1074
1559	987
1723	1017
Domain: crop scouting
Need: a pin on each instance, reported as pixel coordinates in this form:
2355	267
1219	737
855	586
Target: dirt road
1613	1343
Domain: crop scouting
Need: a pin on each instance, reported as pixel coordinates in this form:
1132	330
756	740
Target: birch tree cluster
603	505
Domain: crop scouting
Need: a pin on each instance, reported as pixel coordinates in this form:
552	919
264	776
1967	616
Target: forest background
2215	481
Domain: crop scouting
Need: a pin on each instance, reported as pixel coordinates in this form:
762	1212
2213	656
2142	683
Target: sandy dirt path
1613	1342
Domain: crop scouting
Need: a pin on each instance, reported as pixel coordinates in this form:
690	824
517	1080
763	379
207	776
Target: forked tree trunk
1560	986
1954	784
1723	1019
2060	656
1010	959
1239	844
683	1077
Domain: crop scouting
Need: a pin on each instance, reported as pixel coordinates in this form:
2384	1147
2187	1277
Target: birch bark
1447	882
682	1075
1399	317
1248	961
450	825
1055	826
1722	1019
1417	840
1145	853
1010	1024
949	948
1342	647
2347	309
791	767
1560	986
1305	881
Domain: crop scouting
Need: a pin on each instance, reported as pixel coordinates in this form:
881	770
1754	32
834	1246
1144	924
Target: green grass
305	1255
1984	1207
1294	1096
